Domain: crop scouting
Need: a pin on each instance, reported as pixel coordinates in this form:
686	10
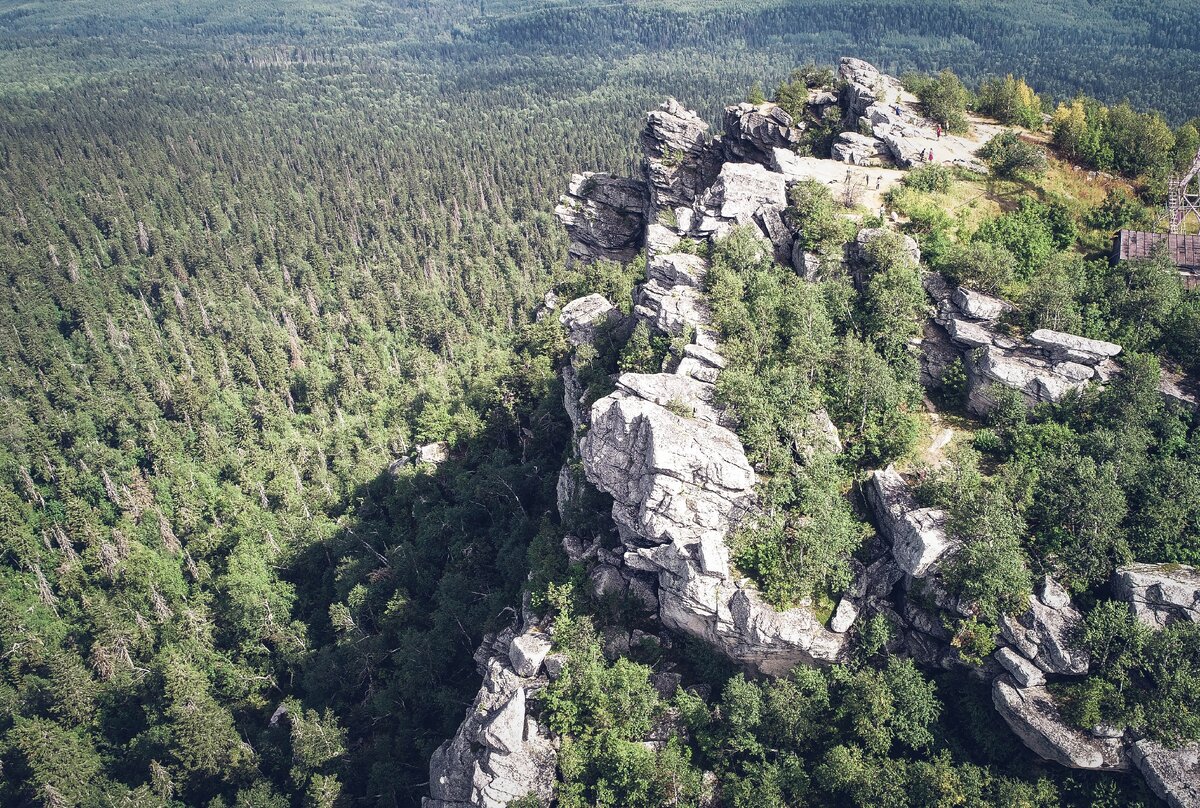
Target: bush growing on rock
893	300
1147	680
822	230
1052	298
979	265
943	97
789	353
602	711
991	571
642	353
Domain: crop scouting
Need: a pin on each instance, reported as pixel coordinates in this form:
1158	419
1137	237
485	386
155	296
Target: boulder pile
501	752
1042	367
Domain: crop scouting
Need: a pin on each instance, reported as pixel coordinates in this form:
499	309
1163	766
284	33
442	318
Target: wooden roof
1132	245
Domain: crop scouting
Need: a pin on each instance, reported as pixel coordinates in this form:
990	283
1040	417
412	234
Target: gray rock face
1023	672
679	159
1079	349
1172	774
675	480
740	191
938	353
844	616
820	435
433	454
605	216
918	535
566	490
671	300
677	269
583	316
674	129
500	753
858	149
683	395
978	306
771	222
678	486
672	310
1160	593
1180	390
527	653
1043	632
906	145
753	131
863	87
1033	716
1043	369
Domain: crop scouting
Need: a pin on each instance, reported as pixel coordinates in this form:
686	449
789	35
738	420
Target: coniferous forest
257	255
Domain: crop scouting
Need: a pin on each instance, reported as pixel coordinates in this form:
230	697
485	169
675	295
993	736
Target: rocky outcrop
1160	594
583	318
753	131
679	485
679	162
1043	633
918	535
1172	774
863	87
605	216
671	300
978	306
740	193
1023	672
500	752
1042	368
1034	717
859	149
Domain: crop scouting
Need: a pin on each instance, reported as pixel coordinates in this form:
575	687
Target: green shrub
930	178
987	441
1008	156
822	228
1120	209
1031	233
954	383
1010	100
943	97
981	265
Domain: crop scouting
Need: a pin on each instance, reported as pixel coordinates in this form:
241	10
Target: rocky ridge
680	482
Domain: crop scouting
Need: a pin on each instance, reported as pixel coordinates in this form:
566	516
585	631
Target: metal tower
1183	196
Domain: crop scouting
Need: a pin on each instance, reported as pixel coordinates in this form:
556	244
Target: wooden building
1184	251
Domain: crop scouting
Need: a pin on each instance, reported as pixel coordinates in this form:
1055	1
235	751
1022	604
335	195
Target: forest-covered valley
256	255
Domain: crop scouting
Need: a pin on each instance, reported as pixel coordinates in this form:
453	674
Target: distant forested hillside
254	254
1108	49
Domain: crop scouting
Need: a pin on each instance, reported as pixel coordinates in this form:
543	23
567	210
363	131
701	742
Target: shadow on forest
428	559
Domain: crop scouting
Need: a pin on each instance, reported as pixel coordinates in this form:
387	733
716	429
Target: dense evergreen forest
255	255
